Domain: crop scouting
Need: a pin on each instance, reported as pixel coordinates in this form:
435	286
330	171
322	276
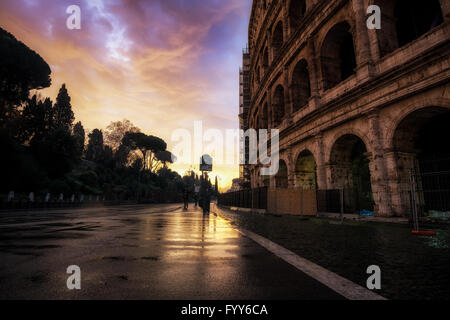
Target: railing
249	198
153	197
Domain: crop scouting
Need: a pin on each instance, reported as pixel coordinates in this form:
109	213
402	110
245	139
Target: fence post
413	201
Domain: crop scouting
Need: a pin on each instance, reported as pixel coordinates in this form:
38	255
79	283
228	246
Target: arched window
418	148
350	170
305	171
403	21
297	9
415	18
301	89
278	105
277	39
337	56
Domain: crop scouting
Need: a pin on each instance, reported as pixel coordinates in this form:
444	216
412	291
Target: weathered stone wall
391	89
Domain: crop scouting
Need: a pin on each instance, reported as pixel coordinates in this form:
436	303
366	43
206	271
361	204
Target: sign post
206	163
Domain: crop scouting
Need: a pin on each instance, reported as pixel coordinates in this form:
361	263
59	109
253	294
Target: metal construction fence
248	198
427	193
343	201
295	201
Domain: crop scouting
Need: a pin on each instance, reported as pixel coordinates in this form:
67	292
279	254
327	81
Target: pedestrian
205	195
196	195
186	199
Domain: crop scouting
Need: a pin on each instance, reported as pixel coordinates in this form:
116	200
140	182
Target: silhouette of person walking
186	198
205	195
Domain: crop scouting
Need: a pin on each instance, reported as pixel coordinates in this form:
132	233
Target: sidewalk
331	215
412	267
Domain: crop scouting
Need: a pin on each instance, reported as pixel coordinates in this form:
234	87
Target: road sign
206	163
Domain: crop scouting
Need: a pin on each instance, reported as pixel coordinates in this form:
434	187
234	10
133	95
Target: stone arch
418	148
346	131
281	178
415	18
279	105
297	10
277	39
306	171
408	129
337	55
349	170
404	21
417	105
301	85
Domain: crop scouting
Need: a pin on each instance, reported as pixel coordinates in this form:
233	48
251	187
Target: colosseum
360	109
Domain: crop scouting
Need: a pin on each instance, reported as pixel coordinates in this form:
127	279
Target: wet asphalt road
141	252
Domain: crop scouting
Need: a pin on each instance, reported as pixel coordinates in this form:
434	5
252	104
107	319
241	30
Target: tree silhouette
149	146
62	112
115	132
57	152
216	186
80	136
94	151
21	70
42	149
165	157
36	120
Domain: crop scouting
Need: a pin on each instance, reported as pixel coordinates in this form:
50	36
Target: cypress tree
63	116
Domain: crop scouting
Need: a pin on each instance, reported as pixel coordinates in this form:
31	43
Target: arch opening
338	59
306	171
277	39
403	21
281	178
297	11
415	18
421	150
278	105
301	88
350	171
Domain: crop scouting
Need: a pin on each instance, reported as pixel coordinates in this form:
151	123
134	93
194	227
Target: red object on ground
424	233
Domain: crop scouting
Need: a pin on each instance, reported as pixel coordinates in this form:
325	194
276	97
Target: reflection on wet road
138	252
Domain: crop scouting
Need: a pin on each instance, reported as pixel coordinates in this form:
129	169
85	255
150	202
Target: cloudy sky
162	64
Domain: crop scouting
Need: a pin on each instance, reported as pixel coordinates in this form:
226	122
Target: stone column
378	171
288	101
269	47
328	174
362	43
399	167
285	10
270	111
313	70
291	169
320	163
373	36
